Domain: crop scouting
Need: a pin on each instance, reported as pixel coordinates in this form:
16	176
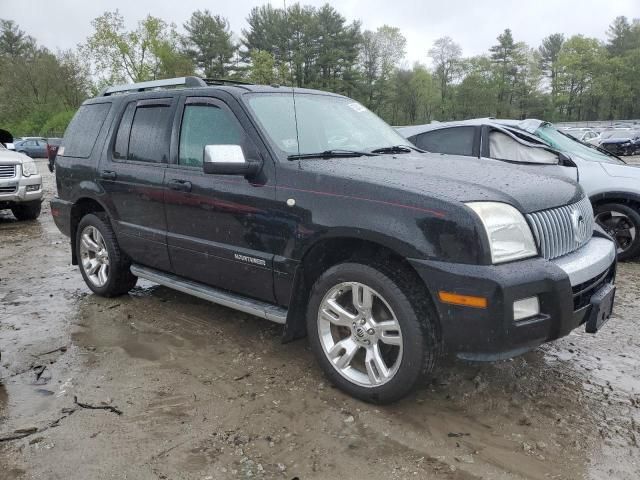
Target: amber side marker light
464	300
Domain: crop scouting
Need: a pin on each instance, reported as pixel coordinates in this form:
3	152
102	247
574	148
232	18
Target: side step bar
226	299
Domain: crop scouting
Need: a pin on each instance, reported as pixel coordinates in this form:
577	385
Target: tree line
562	79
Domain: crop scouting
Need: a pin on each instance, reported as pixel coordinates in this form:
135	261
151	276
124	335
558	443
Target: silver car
612	185
20	185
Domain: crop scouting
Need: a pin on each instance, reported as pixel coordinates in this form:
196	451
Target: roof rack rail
224	81
142	86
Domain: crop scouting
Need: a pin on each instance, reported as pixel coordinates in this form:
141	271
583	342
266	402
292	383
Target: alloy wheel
94	256
620	227
360	334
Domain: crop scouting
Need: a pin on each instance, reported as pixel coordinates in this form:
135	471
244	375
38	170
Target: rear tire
27	210
622	222
104	267
372	331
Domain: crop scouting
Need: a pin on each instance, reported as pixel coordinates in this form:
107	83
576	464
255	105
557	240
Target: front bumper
564	288
17	190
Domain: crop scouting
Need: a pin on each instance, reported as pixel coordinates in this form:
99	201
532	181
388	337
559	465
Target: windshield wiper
396	149
594	147
332	154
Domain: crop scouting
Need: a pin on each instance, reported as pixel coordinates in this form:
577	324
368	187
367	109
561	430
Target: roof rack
142	86
186	82
224	81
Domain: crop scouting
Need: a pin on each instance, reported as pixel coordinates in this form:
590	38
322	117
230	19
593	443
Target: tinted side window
149	138
83	131
454	141
205	125
121	145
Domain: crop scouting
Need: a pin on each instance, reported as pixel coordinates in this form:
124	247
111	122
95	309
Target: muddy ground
190	390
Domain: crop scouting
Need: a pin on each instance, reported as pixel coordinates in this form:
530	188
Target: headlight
510	237
29	168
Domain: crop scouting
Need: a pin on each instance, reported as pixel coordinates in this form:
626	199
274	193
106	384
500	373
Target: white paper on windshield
503	147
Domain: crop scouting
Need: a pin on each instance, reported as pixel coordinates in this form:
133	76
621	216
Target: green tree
209	42
262	69
311	47
13	41
445	55
415	96
580	62
476	95
549	52
620	35
150	51
506	56
380	54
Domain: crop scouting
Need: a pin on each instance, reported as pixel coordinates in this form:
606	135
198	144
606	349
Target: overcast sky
474	24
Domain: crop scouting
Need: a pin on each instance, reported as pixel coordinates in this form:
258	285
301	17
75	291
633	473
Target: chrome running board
226	299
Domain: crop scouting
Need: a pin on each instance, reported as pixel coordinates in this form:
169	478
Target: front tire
27	210
622	222
104	267
372	331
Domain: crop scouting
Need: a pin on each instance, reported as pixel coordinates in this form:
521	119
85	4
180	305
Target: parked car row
612	186
304	208
617	140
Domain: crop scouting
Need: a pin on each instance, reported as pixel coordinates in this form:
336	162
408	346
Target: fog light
33	188
525	308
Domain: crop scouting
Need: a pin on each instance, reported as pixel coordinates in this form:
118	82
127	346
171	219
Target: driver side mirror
228	160
565	160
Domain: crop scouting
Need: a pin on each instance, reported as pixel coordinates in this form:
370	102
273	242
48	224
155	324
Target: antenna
293	87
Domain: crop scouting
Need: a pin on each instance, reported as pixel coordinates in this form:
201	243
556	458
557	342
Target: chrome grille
11	189
7	171
562	230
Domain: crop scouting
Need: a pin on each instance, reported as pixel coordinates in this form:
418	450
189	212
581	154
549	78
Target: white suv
20	185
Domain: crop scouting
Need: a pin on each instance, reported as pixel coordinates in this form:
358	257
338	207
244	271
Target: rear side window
121	146
149	139
205	125
83	131
452	141
144	133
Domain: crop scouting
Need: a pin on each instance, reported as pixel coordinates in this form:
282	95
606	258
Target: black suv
304	208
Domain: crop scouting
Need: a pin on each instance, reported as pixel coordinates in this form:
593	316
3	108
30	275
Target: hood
454	178
619	170
9	157
617	140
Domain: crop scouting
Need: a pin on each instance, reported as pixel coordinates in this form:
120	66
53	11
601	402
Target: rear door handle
108	175
180	185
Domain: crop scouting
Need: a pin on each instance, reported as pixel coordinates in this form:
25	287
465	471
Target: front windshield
566	144
325	123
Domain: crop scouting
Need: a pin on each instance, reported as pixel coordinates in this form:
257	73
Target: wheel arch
330	251
625	198
80	208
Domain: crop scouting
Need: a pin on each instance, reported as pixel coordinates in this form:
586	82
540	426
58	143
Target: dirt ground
191	390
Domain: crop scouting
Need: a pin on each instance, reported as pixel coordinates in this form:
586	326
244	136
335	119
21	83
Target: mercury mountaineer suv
304	208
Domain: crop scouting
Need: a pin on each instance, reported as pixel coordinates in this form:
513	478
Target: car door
40	149
28	147
132	175
219	226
